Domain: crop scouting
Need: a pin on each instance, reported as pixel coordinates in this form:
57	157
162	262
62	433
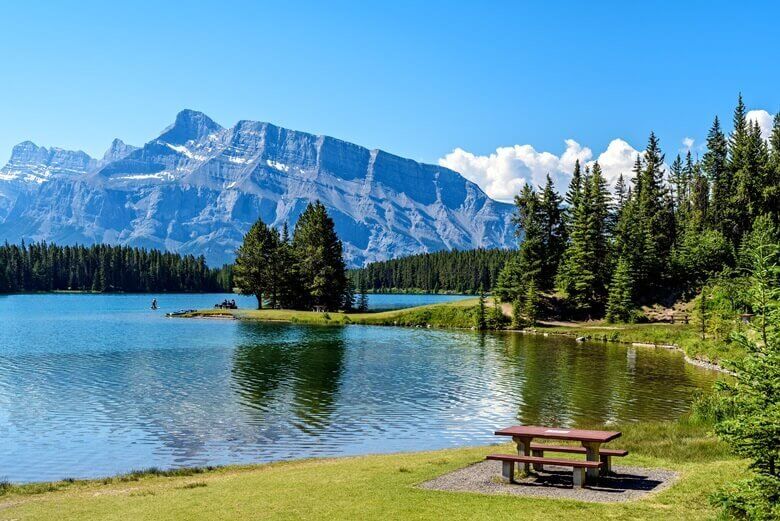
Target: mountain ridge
198	186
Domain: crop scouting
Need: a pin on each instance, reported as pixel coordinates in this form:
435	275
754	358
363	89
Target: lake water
93	385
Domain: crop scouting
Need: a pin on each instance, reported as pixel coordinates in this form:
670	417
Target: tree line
446	271
101	268
305	272
653	239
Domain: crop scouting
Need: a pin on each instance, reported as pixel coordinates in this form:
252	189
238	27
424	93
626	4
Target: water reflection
92	385
275	366
558	382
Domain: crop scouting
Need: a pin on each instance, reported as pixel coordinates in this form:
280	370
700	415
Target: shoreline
381	485
448	316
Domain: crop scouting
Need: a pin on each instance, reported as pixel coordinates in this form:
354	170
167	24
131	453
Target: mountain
198	187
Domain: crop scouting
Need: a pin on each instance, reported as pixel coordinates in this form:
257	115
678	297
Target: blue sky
416	80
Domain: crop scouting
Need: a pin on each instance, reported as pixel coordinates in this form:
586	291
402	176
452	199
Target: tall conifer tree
715	166
319	260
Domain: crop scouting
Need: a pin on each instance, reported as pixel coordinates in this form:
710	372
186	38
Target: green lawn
380	487
458	314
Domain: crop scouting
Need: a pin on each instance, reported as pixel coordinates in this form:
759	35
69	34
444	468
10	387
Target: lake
94	385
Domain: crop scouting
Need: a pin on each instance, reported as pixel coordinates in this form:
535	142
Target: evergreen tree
319	260
481	319
574	193
517	314
621	194
583	273
289	287
620	303
677	178
497	318
553	234
751	425
453	271
771	192
747	163
529	259
715	165
531	303
694	214
362	305
655	215
256	270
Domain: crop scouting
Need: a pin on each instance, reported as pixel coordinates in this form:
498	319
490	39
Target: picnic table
591	441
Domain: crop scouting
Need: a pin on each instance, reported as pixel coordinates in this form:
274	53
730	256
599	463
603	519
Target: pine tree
621	194
529	259
319	260
655	219
573	195
715	166
497	318
362	305
747	164
584	271
481	319
531	303
553	234
771	191
620	305
256	269
289	286
677	179
752	399
686	204
518	321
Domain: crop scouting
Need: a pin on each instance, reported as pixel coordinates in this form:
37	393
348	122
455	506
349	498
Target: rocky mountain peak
197	188
117	150
190	125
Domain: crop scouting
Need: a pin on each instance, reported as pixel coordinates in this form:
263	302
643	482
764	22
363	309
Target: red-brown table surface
553	433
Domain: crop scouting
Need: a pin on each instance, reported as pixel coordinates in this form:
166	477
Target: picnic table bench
528	453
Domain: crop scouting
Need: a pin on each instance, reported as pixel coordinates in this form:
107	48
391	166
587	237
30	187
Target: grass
458	314
380	487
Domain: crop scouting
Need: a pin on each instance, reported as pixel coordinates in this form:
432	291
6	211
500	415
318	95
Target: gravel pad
626	484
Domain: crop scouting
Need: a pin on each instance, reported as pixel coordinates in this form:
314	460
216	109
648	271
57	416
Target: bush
753	498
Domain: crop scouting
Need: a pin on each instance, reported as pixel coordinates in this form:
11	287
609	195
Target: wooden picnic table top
554	433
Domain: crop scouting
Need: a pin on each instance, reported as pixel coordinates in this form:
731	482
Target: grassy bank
460	314
374	487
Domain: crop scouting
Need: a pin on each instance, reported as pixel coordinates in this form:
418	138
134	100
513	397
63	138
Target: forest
102	268
445	271
661	237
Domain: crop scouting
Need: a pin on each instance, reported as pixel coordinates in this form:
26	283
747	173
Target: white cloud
764	120
504	172
618	158
688	143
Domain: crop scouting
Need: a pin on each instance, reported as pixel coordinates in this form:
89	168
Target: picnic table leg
592	454
523	448
606	465
508	471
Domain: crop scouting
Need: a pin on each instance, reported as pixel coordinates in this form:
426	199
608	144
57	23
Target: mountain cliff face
198	187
